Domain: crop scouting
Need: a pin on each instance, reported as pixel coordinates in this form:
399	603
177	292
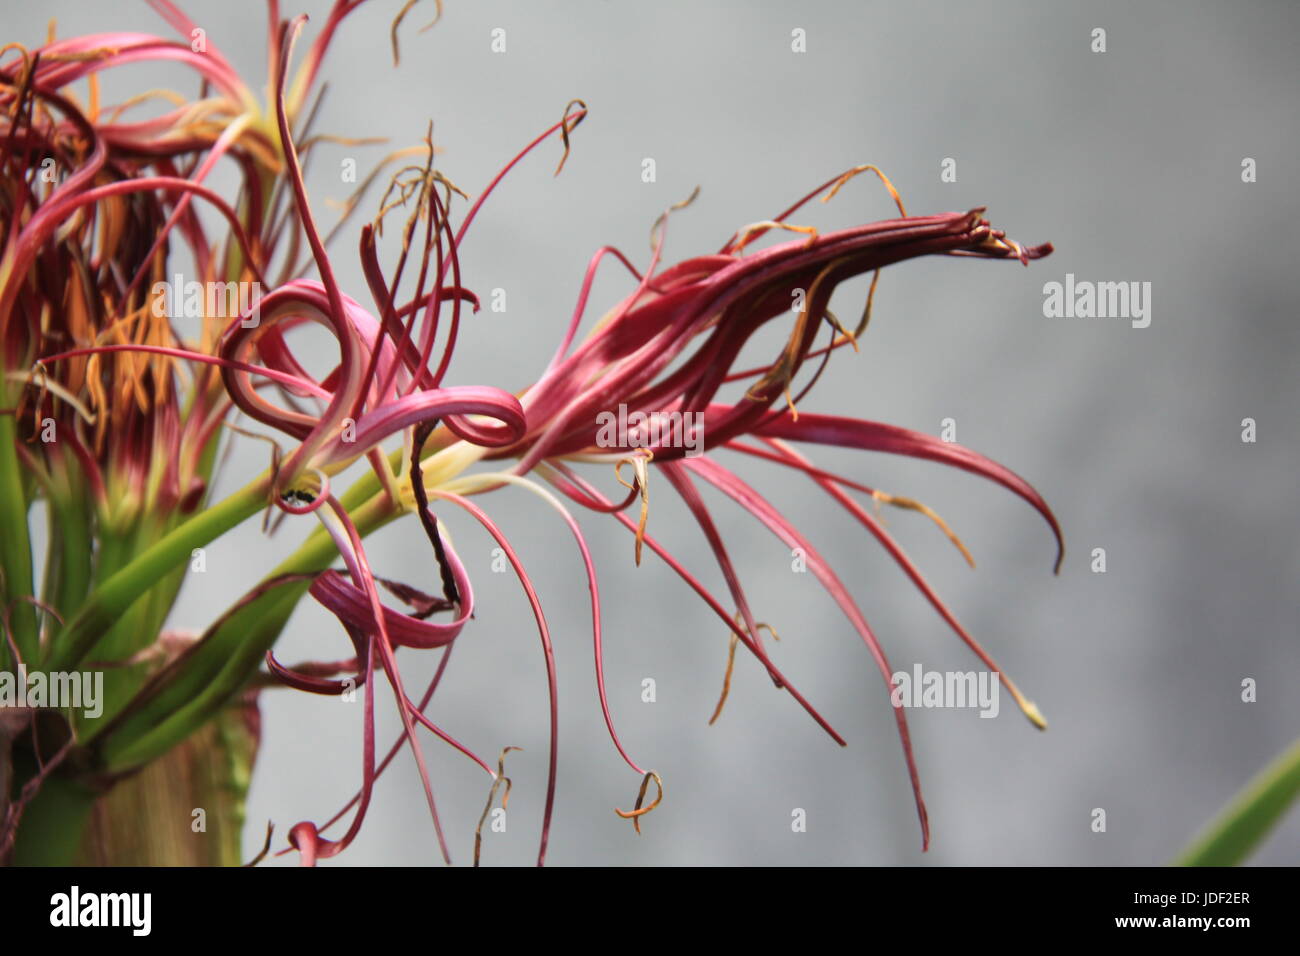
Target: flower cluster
135	405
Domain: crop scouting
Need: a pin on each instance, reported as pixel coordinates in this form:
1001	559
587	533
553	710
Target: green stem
221	667
115	595
71	547
150	818
15	548
111	599
1244	822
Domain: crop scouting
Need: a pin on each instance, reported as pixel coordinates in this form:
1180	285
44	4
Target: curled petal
638	811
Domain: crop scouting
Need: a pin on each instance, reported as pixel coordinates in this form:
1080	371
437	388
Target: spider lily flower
665	353
668	350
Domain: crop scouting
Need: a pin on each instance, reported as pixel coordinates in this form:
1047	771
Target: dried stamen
497	780
642	485
637	812
731	662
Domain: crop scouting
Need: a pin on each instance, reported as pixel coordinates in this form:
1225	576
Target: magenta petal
876	436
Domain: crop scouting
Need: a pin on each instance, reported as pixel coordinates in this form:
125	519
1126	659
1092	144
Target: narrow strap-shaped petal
877	436
755	504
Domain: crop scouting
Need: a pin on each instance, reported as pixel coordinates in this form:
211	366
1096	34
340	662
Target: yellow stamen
912	505
755	229
782	369
498	778
866	311
898	201
638	463
170	96
1027	707
663	216
38	375
850	337
731	663
397	21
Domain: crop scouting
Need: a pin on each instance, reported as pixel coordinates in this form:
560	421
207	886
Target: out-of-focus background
1129	160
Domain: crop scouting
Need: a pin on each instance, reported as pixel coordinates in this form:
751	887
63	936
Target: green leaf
1244	822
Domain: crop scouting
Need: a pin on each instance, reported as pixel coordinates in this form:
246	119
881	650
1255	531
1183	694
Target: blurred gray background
1128	160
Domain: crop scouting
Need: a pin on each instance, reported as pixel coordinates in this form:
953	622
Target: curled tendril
568	123
492	795
657	230
639	485
401	15
638	811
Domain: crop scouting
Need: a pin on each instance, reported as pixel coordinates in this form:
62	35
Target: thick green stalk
1244	822
150	818
110	600
15	548
135	631
207	680
113	553
229	655
71	548
52	824
236	646
115	595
